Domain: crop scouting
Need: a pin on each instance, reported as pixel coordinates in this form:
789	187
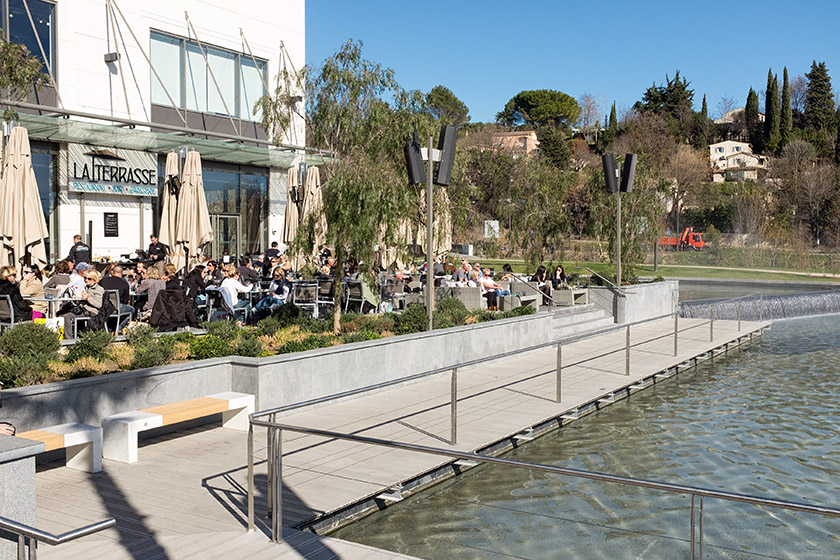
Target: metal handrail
619	288
528	283
459	365
35	535
694	491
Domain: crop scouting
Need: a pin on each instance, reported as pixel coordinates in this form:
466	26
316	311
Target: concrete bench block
240	407
120	434
82	444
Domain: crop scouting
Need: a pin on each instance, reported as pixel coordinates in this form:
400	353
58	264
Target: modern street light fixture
611	177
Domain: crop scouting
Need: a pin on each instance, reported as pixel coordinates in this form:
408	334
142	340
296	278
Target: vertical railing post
21	550
691	536
739	315
711	323
676	331
250	477
700	551
627	352
559	369
277	485
453	420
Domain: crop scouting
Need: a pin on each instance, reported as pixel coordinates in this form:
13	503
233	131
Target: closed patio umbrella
22	224
193	230
169	210
291	223
313	205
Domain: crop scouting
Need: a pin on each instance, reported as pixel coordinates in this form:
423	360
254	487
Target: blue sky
487	51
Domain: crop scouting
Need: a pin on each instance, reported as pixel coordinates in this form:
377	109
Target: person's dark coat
79	253
21	307
194	285
172	310
115	283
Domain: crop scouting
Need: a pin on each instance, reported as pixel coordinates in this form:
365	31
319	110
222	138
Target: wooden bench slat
51	440
188	410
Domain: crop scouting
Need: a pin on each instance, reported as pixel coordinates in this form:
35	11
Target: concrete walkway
186	496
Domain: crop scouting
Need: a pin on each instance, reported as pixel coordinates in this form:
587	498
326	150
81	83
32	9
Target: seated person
541	278
278	292
490	284
231	288
152	284
116	282
32	286
59	281
247	275
489	295
170	277
8	286
88	303
558	277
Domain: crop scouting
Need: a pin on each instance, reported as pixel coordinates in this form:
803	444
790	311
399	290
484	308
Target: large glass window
182	67
18	29
43	163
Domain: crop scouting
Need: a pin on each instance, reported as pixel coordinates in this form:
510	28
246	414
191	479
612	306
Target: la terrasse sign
112	171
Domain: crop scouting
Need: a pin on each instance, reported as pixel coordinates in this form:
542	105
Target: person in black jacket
172	311
116	282
8	286
79	252
157	250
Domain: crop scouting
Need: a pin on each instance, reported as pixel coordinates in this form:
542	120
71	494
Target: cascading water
770	307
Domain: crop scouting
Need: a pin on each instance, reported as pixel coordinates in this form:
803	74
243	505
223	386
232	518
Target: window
18	29
736	149
181	66
719	150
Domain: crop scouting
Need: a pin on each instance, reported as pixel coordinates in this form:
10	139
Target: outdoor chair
353	294
117	315
7	312
305	296
218	309
326	293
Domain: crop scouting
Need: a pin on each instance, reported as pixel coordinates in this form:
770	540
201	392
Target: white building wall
84	34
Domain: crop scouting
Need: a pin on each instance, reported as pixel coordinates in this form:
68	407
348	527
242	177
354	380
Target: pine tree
786	120
819	100
751	118
772	117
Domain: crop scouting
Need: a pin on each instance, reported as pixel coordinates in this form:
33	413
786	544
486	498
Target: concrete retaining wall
640	301
275	381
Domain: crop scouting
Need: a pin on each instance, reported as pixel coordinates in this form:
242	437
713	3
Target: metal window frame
183	71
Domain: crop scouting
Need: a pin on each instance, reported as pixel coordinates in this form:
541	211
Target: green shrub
249	346
519	311
269	326
30	339
141	335
359	336
308	343
187	337
227	330
156	354
210	346
450	312
412	320
287	315
18	371
93	344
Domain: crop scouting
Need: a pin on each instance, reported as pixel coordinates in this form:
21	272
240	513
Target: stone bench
81	442
121	430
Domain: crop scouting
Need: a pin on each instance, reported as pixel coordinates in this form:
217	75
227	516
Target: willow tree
357	110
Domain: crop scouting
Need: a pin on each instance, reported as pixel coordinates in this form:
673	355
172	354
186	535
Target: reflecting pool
764	421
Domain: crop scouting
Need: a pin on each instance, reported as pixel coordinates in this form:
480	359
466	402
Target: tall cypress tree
819	100
772	117
613	124
704	110
751	118
786	120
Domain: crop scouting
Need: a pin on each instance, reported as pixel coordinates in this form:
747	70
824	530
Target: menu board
112	224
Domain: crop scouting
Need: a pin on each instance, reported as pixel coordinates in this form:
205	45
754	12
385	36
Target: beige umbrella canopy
291	224
168	213
313	205
22	224
193	230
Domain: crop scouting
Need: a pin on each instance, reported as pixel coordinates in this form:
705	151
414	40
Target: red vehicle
688	241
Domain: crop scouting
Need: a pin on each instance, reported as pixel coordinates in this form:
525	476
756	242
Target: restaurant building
133	81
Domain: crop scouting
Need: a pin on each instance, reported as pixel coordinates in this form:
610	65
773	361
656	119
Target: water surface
763	421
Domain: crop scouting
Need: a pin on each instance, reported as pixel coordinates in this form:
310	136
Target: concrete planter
276	380
639	301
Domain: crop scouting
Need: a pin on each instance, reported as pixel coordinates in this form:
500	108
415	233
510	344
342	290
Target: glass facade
18	29
43	163
232	190
182	68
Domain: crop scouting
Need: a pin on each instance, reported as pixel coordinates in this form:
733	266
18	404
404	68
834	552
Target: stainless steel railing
29	537
695	536
621	290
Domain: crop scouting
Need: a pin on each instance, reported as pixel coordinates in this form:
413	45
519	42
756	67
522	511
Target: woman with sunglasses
89	303
9	287
32	286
